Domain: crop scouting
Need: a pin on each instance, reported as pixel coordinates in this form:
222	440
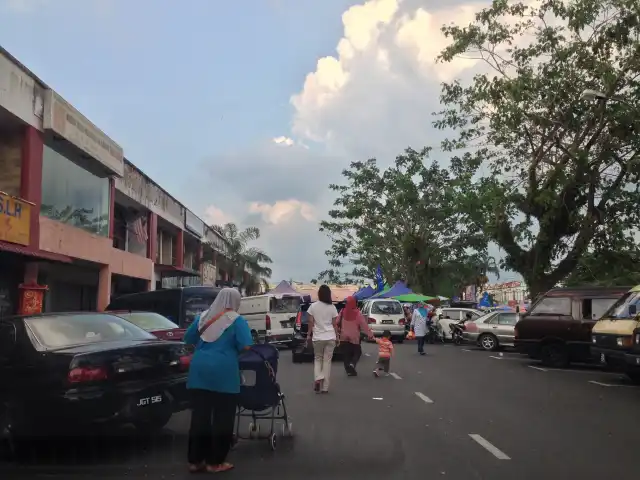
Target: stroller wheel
272	441
287	429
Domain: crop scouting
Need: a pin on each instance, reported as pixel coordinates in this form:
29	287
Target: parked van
615	338
557	328
271	316
180	305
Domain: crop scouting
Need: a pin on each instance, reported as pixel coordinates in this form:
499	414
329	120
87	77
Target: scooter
434	334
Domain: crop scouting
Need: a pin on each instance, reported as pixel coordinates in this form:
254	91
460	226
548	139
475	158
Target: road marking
538	368
499	454
466	350
377	398
610	384
497	358
396	376
424	398
367	354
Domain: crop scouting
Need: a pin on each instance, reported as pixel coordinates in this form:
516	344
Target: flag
379	281
139	229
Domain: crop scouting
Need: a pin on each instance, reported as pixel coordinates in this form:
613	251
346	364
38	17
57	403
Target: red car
154	323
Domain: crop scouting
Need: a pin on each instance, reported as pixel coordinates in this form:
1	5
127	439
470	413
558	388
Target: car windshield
620	309
286	305
148	321
387	308
80	329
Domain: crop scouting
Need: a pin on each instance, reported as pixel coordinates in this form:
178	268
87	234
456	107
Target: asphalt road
458	413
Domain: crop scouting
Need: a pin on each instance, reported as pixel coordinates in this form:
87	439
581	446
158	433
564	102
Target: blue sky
244	110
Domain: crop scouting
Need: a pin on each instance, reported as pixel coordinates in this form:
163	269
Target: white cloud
215	216
283	211
286	141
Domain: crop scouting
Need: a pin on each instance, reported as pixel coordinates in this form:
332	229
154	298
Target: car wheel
296	358
400	340
488	342
554	355
154	423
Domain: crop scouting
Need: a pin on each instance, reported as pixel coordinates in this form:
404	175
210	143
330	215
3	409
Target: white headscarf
228	300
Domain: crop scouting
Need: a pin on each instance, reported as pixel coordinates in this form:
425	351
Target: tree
407	220
244	258
558	170
314	281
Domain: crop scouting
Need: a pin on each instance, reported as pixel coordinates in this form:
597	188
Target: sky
247	110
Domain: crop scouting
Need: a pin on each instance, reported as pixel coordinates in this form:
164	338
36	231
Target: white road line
499	454
609	384
538	368
424	398
497	358
396	376
466	350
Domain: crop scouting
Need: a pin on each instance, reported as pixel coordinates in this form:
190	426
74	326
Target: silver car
492	331
385	314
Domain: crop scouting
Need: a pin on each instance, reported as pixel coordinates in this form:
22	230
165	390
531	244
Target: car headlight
619	341
637	338
593	339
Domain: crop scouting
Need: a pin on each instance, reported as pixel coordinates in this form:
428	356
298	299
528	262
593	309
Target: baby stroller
261	399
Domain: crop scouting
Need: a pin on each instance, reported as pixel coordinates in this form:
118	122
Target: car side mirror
633	310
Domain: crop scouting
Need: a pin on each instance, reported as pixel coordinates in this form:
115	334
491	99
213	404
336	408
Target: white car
449	315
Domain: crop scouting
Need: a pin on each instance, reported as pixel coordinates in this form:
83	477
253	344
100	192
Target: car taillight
371	320
185	362
267	321
299	320
87	374
471	327
401	321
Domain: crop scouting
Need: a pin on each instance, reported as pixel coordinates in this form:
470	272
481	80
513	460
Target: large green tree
408	220
554	168
244	258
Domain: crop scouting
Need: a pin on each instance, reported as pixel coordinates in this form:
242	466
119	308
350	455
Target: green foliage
554	171
243	258
408	220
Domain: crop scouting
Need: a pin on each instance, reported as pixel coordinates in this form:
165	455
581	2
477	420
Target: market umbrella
366	292
399	288
413	298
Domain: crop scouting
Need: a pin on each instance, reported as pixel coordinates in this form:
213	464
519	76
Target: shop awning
176	271
41	254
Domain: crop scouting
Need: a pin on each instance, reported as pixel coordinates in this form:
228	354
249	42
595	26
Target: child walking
385	352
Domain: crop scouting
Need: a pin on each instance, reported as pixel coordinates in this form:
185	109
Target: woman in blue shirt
220	335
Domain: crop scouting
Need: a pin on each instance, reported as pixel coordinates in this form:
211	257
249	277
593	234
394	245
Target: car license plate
603	358
387	322
151	400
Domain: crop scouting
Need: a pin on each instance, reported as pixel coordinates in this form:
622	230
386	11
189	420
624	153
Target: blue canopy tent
485	301
399	288
364	293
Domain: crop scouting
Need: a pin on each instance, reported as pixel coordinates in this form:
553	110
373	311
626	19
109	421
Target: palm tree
244	258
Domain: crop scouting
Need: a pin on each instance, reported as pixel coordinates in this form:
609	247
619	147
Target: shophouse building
78	222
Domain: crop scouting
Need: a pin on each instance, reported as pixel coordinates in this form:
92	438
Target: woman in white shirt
323	330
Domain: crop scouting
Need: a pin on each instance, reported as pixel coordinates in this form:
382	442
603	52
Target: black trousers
352	354
421	341
212	421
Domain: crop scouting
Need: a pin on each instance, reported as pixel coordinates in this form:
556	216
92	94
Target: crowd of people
220	335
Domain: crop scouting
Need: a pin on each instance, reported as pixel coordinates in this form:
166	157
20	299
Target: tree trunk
538	285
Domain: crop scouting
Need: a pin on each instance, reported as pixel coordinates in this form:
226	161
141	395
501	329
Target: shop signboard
15	220
193	223
64	120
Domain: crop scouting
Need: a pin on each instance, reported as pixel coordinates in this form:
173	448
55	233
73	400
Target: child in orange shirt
385	352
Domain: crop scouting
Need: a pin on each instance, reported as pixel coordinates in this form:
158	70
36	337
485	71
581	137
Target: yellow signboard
15	220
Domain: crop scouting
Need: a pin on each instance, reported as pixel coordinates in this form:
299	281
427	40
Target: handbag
204	328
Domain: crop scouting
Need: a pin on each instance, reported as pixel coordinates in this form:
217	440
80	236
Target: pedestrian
419	326
323	332
385	352
219	335
351	325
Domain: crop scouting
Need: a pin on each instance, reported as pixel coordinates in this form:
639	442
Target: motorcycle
456	332
434	334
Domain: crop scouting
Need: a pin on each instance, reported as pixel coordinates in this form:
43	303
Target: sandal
196	468
223	467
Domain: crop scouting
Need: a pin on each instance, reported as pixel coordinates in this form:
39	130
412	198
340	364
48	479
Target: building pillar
112	205
104	287
31	179
180	249
152	234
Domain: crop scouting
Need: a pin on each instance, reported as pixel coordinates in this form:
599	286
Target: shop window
73	195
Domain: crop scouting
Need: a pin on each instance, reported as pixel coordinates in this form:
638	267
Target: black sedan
301	350
60	371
